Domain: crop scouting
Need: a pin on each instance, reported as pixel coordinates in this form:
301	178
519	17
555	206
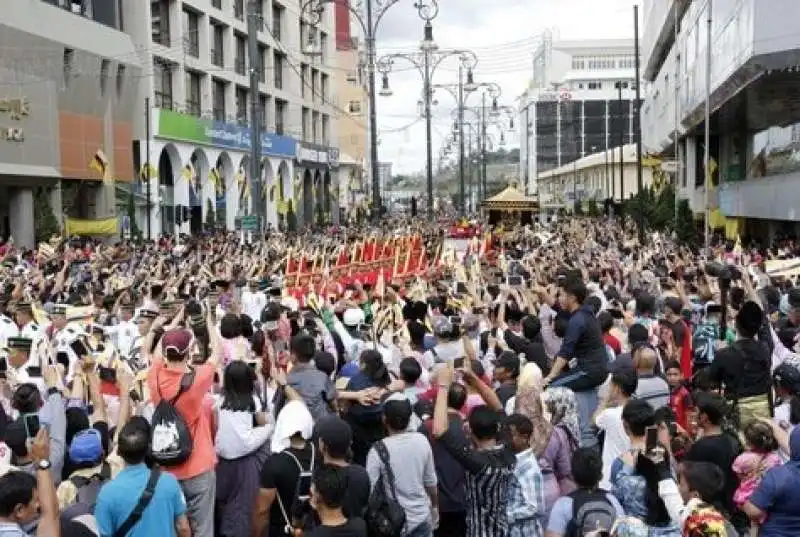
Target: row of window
69	72
315	125
107	12
599	84
580	63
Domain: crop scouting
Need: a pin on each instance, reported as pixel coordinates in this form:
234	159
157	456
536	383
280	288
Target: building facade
597	177
68	72
200	99
755	121
580	100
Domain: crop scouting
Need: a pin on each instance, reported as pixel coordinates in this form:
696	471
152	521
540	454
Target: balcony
240	66
216	57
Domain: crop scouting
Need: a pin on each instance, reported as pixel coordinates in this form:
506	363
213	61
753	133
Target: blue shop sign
235	136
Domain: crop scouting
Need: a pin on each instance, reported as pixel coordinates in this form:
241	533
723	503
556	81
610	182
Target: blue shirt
778	495
118	498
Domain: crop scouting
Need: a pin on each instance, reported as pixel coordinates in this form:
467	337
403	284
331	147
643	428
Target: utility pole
484	179
706	152
677	117
638	120
253	23
147	163
373	113
462	186
426	86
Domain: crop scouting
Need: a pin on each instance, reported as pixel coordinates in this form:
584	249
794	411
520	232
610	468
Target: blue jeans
423	530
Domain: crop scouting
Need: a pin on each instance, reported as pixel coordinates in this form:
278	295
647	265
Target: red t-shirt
612	342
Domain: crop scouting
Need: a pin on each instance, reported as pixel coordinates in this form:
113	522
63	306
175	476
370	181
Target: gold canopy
510	199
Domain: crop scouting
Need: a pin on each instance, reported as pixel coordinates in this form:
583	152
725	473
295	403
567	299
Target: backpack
591	511
385	517
171	442
87	490
300	515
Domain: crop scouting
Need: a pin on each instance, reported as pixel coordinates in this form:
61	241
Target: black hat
127	306
787	376
507	360
23	307
148	314
59	309
20	343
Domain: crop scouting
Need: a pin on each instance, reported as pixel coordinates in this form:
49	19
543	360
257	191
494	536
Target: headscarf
564	410
529	403
293	418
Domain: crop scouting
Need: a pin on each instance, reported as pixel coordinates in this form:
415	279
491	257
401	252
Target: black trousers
452	524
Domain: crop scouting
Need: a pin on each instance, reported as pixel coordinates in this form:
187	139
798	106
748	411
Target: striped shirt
489	474
526	504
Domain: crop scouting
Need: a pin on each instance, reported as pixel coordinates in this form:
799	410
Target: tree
211	218
46	224
686	230
291	218
592	209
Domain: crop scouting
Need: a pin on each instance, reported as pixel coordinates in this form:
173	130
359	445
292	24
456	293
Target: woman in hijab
561	407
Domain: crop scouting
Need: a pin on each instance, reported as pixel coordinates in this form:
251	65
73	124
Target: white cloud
502	33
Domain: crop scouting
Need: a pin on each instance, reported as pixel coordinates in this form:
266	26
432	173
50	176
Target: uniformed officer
58	321
125	333
21	368
8	329
28	328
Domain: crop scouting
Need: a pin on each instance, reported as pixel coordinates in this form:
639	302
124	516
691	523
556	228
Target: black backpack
300	514
591	512
385	517
87	490
171	442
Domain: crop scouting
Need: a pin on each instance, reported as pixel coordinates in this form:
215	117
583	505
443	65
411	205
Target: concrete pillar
105	201
20	216
57	204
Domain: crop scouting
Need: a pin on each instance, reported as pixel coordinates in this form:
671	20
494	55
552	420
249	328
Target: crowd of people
547	381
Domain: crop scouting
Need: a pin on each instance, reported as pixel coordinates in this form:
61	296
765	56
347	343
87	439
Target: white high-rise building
755	118
199	92
580	101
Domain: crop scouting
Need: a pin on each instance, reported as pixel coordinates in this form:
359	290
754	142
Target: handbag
385	517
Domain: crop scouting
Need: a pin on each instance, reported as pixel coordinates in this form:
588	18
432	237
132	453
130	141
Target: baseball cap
178	340
86	447
353	317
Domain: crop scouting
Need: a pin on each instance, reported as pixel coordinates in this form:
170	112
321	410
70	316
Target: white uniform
124	335
32	331
253	303
8	329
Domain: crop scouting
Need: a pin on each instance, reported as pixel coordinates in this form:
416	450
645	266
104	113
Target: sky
502	33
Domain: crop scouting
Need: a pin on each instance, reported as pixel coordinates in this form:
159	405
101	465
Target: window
104	64
238	9
120	80
578	64
304	118
323	46
277	21
326	130
240	64
303	79
278	60
313	85
193	93
354	107
262	67
69	57
323	87
595	85
216	3
280	116
262	111
79	7
219	100
191	37
241	105
352	77
218	47
315	127
159	24
162	74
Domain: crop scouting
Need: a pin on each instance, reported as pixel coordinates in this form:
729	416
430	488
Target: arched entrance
308	198
200	171
327	196
268	192
168	160
284	188
318	195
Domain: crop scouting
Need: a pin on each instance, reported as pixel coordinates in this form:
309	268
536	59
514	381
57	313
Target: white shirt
253	303
236	435
125	335
616	441
8	329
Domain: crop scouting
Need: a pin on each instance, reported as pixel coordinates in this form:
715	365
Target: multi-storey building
68	73
580	101
754	185
200	98
352	93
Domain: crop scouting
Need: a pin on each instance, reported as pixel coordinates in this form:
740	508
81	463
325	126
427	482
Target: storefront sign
16	109
186	128
317	154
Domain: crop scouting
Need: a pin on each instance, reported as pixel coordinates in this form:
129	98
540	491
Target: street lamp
369	18
426	61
